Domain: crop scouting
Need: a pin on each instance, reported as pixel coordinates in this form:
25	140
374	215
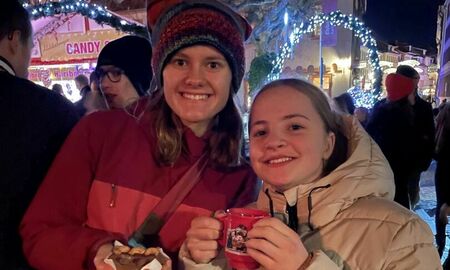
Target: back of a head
345	103
82	80
407	71
57	88
13	16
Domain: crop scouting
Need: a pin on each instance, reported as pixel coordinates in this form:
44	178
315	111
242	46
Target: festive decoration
260	68
268	18
51	27
97	13
336	18
362	98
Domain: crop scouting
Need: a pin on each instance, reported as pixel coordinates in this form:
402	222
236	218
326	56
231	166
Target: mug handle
222	239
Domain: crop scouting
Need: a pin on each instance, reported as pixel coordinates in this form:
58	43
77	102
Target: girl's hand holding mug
201	239
276	246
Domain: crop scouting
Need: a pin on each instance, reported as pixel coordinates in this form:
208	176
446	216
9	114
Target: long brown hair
224	143
331	120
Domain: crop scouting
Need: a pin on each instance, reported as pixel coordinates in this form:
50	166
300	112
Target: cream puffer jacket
353	222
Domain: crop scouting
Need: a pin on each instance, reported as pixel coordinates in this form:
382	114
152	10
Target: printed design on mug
236	239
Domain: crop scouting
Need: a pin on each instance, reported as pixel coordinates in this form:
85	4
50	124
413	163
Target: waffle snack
137	258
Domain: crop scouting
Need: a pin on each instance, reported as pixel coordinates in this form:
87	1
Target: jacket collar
6	66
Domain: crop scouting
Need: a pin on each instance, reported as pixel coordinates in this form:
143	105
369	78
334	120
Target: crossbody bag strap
169	203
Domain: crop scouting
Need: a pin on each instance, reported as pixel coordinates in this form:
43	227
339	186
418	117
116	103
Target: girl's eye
259	133
213	65
115	73
179	62
296	127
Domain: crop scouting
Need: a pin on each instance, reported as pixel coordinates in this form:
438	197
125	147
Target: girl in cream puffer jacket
340	186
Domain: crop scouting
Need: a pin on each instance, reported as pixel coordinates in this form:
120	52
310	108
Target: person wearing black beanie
124	70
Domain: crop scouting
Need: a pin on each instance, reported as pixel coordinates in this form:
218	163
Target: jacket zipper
112	201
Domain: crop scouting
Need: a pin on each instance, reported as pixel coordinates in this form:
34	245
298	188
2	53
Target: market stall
66	46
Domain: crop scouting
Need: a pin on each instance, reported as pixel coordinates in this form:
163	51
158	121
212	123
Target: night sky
407	21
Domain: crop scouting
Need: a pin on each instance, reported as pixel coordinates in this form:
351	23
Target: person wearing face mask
124	165
124	70
34	122
329	188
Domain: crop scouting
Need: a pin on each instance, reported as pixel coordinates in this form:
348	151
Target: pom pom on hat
398	86
176	24
133	55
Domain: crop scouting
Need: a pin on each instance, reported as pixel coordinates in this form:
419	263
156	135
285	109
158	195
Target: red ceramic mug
236	224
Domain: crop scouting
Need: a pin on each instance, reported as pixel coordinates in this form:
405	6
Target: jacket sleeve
412	248
53	231
320	262
186	263
426	130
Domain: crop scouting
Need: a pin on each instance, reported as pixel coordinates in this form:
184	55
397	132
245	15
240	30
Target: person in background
329	188
362	114
116	166
82	84
93	82
345	103
392	125
124	74
443	103
95	100
424	124
34	123
57	88
442	177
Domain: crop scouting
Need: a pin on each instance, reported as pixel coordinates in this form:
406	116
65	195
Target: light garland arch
95	12
336	18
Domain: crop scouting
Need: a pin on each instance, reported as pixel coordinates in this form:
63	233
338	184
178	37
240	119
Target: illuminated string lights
362	98
97	13
337	18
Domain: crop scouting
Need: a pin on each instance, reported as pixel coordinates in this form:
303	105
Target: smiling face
288	140
197	83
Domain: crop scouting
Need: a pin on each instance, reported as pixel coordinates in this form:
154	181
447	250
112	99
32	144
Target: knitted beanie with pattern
177	24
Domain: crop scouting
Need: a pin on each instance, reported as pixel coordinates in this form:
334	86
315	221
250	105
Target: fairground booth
66	46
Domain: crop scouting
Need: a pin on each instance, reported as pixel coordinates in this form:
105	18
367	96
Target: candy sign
60	47
83	47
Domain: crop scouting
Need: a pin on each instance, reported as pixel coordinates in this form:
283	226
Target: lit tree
267	18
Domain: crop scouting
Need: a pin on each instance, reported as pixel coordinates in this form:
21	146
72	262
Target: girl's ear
329	145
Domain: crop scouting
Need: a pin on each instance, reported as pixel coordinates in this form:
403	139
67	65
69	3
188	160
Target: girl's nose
195	77
274	141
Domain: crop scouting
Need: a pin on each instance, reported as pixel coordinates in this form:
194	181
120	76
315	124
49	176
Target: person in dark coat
392	126
442	176
424	123
34	123
82	84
